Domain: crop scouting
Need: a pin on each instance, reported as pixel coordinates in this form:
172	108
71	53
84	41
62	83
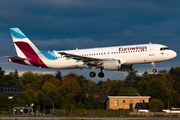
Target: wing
87	60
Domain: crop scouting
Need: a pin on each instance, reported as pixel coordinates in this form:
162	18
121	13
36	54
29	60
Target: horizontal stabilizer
16	58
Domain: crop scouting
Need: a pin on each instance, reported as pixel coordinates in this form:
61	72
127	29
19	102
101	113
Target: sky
67	24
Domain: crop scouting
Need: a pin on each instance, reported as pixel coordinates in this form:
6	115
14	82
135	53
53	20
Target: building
125	102
144	107
9	91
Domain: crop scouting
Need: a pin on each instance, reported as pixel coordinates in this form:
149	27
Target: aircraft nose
174	54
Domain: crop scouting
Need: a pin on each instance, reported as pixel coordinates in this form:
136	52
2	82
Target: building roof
129	96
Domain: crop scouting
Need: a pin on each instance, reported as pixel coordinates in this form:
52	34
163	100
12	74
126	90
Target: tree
72	86
2	73
29	77
157	89
56	97
156	105
21	99
132	74
40	97
58	75
100	83
142	87
90	103
48	86
4	101
16	78
33	96
127	91
106	86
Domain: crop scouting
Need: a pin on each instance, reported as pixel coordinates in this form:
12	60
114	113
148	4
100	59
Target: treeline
75	92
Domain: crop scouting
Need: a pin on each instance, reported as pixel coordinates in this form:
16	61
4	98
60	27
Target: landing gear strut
93	74
101	74
153	65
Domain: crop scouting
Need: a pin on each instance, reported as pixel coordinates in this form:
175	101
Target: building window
141	101
130	101
116	102
15	90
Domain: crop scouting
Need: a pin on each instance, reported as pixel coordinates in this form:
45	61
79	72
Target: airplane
120	58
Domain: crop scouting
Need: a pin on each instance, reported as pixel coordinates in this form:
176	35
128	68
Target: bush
156	105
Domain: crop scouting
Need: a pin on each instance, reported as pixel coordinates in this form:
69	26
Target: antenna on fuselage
149	42
76	48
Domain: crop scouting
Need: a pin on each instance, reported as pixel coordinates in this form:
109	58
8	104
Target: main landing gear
153	65
93	74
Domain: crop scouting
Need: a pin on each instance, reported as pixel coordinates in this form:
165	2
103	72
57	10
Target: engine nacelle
112	65
116	65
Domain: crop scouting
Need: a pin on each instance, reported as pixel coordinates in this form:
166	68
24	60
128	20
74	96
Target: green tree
100	83
157	89
40	97
58	75
21	99
90	103
142	87
127	91
33	95
16	78
56	97
72	86
30	80
156	105
132	74
4	101
106	86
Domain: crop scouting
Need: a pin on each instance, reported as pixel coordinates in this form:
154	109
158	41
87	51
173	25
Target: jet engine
116	65
112	65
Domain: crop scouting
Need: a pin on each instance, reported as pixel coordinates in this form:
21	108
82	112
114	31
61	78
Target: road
92	118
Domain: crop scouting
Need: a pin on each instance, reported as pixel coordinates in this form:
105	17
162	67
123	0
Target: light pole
44	107
51	101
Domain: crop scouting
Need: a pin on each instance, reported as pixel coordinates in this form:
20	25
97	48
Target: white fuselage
132	54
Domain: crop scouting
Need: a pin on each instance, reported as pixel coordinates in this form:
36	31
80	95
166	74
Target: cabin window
164	48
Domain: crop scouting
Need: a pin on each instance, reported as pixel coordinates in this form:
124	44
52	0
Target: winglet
16	32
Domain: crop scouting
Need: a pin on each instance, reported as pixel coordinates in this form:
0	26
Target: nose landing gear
153	65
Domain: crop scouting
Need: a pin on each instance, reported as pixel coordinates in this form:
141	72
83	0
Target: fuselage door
151	50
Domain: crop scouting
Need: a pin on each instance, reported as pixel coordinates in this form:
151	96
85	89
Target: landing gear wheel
101	74
153	65
92	74
154	70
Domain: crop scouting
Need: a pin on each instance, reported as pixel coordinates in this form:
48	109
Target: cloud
67	24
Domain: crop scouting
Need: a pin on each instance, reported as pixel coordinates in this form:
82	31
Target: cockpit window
164	48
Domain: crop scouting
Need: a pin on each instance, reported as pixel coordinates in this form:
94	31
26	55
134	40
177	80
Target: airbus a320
120	58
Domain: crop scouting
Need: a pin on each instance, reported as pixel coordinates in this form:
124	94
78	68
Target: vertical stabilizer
22	44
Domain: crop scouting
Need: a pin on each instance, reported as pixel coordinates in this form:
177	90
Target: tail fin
22	44
27	53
